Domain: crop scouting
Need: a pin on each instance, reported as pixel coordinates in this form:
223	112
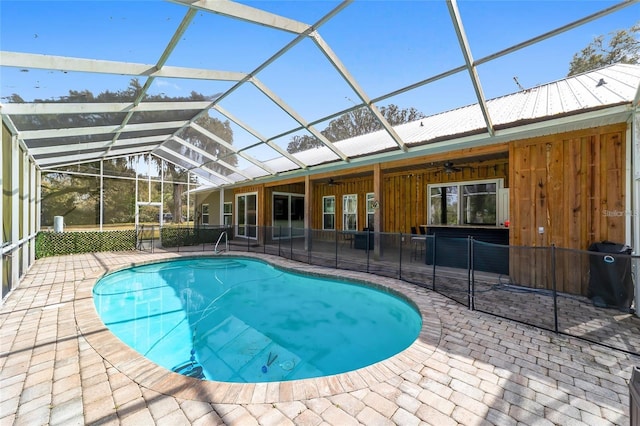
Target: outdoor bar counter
490	254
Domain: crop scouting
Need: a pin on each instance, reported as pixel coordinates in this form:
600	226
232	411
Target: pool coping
154	377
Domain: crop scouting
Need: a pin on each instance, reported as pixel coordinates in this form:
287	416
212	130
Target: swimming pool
239	320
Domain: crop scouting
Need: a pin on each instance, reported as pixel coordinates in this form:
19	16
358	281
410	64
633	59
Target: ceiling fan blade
449	167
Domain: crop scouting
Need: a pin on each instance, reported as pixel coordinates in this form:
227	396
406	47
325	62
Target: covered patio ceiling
270	71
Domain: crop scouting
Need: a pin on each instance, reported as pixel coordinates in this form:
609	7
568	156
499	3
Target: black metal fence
583	293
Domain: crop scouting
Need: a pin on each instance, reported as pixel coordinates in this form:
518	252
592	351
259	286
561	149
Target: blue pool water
239	320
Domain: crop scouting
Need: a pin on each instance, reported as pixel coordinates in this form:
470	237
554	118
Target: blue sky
385	45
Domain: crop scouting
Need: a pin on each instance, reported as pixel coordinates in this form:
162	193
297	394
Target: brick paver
58	367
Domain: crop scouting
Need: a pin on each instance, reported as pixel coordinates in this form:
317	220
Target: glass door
247	208
288	215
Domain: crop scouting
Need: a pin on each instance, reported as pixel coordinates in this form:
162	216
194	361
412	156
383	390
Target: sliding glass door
288	215
247	208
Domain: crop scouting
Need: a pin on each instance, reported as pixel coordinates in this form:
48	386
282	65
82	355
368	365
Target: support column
221	213
188	197
633	136
25	195
308	206
2	232
377	215
14	151
101	198
38	203
33	212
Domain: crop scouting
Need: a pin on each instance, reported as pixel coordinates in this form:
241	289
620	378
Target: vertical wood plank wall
405	193
265	198
358	185
571	185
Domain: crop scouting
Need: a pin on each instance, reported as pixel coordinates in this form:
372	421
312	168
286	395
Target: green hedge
176	236
60	243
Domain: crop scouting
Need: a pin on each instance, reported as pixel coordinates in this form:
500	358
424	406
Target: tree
623	46
355	123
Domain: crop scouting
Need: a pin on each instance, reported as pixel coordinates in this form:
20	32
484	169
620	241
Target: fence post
400	257
309	244
553	284
368	236
336	253
470	275
433	279
291	242
279	239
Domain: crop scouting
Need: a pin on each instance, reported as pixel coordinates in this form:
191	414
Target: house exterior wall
568	190
213	199
571	184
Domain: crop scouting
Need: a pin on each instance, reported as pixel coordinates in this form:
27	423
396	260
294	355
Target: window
464	203
205	214
329	212
350	212
479	203
443	205
227	211
247	212
371	210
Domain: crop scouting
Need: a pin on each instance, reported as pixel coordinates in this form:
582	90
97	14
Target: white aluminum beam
297	117
468	58
257	16
555	32
69	159
152	141
196	165
98	130
98	107
163	59
66	64
119	152
230	147
258	136
351	81
212	158
246	13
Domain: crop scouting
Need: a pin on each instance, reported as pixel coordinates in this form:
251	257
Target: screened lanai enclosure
300	125
116	193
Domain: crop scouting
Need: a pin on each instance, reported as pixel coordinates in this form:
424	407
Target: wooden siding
403	198
265	198
405	193
266	213
571	185
359	186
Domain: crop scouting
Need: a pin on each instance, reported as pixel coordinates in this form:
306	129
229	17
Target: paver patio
60	365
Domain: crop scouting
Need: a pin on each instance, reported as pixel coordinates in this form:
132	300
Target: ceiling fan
332	182
450	168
